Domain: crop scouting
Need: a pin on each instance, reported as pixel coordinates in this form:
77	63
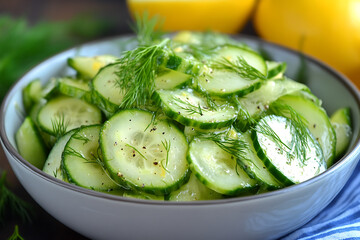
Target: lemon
227	16
326	29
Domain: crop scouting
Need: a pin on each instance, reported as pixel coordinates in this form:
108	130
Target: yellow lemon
227	16
326	29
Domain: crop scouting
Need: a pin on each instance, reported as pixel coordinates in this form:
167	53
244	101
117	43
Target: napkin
340	220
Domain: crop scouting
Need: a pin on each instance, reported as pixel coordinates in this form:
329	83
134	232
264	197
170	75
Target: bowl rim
7	147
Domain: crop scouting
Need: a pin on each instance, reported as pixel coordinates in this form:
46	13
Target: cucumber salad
191	116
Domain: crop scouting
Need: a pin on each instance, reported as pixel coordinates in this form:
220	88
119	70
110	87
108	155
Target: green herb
239	66
59	125
302	135
188	107
16	235
166	144
136	150
137	72
11	205
145	29
235	146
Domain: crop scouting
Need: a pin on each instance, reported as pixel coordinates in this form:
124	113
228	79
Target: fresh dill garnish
265	129
81	138
136	73
16	235
239	66
302	134
71	151
136	150
166	144
144	29
188	107
234	146
12	205
59	125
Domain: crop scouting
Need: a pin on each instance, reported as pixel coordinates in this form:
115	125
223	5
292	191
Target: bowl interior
334	89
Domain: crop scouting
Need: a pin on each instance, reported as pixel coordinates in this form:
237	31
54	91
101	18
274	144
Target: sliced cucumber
31	94
275	69
193	190
191	109
170	79
275	140
317	121
107	95
257	102
218	169
144	153
80	160
52	164
255	167
63	113
88	67
224	83
341	121
30	144
233	52
178	63
75	88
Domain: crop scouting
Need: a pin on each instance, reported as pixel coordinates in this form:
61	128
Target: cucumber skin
274	171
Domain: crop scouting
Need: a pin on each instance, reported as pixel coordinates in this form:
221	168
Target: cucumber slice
275	140
107	95
224	83
144	153
75	88
257	102
63	113
218	169
193	190
255	167
275	69
170	79
52	164
35	152
88	67
233	52
31	94
80	160
341	121
187	65
316	120
191	109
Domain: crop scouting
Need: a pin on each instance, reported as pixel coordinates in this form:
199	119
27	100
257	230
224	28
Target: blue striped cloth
340	220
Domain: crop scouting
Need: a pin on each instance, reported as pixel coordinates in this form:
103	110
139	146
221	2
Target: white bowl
269	215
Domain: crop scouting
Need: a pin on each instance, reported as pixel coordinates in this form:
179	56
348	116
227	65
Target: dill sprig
136	150
166	144
188	107
144	29
234	146
301	134
12	205
16	235
136	74
239	66
59	125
